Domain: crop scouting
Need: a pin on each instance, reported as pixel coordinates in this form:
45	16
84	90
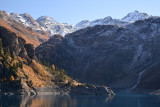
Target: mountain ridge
50	25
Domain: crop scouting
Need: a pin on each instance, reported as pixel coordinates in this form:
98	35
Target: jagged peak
108	18
26	14
47	18
83	23
134	16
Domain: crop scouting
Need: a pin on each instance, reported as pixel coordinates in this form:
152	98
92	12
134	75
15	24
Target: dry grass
34	72
26	33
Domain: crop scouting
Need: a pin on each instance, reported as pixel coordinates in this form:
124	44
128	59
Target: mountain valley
119	53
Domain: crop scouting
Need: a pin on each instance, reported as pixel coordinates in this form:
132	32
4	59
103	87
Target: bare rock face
12	41
107	55
16	44
30	51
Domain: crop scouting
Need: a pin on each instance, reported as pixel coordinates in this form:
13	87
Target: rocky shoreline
57	90
138	91
76	90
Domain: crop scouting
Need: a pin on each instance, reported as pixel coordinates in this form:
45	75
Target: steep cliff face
16	44
109	55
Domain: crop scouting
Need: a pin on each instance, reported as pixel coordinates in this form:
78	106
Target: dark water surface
119	100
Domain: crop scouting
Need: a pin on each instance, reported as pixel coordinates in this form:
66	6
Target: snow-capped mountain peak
131	17
26	19
83	24
53	27
108	18
47	19
50	25
104	21
134	16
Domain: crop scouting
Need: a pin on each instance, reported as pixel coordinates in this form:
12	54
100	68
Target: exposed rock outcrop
30	51
16	44
77	90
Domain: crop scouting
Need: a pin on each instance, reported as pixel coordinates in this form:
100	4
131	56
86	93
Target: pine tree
7	53
44	63
1	48
40	61
5	61
21	64
15	67
13	57
12	78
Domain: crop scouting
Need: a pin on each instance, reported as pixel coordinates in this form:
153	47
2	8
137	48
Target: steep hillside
19	71
17	23
122	57
22	73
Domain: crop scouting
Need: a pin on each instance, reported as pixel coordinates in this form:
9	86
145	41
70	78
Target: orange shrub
53	67
12	78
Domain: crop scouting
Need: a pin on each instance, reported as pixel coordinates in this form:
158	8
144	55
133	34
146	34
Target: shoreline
65	92
56	90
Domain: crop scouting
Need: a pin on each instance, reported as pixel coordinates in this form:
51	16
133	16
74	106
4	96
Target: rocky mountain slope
118	56
43	26
24	26
22	73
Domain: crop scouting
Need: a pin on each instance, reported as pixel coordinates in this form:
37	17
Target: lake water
119	100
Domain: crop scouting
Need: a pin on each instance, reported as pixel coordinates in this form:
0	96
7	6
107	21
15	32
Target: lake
119	100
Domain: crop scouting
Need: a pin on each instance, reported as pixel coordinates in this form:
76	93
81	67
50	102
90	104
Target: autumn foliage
12	78
53	67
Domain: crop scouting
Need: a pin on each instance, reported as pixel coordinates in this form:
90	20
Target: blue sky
73	11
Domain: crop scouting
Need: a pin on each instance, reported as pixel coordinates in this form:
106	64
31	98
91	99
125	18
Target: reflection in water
50	101
109	98
120	100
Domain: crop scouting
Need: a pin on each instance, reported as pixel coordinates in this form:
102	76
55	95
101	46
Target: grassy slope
28	34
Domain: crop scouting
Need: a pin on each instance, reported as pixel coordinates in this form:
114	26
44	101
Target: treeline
7	59
60	75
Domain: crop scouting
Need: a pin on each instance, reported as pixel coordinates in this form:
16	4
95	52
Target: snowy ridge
26	19
83	24
105	21
53	27
135	16
131	17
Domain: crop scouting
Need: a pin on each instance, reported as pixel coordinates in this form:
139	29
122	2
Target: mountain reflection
119	100
49	101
